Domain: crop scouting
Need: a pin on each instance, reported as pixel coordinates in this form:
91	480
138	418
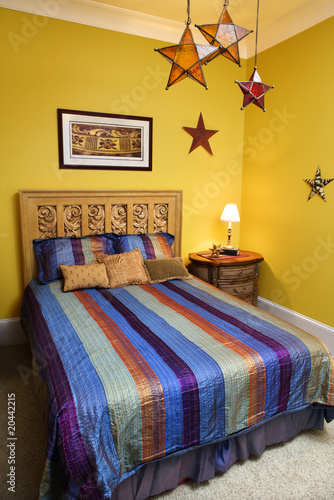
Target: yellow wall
49	64
281	148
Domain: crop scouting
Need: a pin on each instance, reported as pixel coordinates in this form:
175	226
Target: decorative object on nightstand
215	250
236	275
230	214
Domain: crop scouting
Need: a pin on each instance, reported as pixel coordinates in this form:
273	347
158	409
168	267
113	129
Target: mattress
142	373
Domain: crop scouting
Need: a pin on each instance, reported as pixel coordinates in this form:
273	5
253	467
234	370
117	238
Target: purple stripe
78	255
281	352
148	246
80	467
185	376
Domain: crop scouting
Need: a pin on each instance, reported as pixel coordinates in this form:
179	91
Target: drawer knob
240	272
239	291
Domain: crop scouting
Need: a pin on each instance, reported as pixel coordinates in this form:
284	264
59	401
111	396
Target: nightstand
237	276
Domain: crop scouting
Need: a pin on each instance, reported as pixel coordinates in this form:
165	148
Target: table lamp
230	214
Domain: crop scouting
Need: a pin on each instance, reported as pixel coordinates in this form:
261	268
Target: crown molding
112	18
301	19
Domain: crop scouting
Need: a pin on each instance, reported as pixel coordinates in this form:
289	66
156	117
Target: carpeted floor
30	427
301	469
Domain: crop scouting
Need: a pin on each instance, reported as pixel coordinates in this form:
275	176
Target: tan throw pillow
89	276
166	269
125	268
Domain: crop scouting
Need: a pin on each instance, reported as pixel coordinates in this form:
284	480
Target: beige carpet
300	469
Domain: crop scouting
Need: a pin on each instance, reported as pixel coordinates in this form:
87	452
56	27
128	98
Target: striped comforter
137	373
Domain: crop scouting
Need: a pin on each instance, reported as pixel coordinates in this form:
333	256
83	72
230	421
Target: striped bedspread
137	373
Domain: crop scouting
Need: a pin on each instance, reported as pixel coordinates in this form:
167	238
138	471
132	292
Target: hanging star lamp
225	35
254	89
187	58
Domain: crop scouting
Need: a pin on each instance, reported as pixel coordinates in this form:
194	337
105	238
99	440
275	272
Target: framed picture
103	141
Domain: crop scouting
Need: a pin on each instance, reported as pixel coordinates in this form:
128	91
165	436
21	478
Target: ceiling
165	20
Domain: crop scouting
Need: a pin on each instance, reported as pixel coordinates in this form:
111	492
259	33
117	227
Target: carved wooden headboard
46	214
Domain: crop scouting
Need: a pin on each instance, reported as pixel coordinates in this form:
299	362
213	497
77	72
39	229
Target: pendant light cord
188	12
257	31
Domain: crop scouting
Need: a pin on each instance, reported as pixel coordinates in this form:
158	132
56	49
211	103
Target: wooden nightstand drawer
242	290
236	272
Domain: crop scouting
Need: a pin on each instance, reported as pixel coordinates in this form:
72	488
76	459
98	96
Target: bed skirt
202	463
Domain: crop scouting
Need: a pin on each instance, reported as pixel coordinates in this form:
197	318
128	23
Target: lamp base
230	251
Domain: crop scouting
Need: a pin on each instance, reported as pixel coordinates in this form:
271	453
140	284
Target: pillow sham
125	268
151	245
161	270
79	277
52	252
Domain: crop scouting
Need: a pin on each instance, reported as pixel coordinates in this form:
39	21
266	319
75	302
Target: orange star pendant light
187	58
254	89
225	35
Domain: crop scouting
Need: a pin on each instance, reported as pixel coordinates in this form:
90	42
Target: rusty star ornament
187	59
254	90
200	136
318	185
225	35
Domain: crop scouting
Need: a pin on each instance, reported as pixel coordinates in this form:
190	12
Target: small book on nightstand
230	251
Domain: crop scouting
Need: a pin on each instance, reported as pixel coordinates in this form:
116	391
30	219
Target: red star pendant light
254	89
187	58
225	35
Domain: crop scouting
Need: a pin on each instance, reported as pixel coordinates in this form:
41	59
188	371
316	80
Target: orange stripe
252	359
164	246
148	385
97	246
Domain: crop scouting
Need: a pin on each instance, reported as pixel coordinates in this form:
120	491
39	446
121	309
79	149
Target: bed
151	376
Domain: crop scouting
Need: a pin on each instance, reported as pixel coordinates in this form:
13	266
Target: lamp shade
230	213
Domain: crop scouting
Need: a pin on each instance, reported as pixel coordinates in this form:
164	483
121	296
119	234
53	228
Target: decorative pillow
69	251
161	270
79	277
125	268
151	245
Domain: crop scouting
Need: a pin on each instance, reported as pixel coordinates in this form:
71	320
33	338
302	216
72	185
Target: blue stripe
186	378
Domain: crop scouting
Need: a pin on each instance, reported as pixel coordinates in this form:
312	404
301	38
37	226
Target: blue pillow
151	245
69	251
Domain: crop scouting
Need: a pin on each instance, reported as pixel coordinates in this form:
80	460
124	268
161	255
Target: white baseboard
320	330
11	332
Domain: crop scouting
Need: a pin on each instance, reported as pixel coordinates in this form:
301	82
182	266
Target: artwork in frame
102	141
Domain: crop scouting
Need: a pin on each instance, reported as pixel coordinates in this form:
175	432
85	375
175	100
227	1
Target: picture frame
103	141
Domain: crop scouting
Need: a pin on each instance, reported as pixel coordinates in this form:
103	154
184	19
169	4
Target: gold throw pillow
125	268
89	276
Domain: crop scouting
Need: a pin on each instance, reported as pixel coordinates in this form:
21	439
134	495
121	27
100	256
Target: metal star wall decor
187	58
318	185
225	35
200	135
254	90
